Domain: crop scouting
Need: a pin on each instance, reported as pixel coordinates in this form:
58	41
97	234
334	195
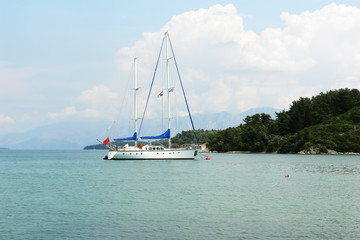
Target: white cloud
229	69
6	119
69	111
99	101
98	95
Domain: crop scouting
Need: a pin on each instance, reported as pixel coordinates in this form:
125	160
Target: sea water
77	195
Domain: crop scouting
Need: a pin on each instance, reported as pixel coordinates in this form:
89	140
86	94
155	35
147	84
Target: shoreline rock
313	150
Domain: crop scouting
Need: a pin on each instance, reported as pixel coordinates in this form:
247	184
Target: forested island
326	123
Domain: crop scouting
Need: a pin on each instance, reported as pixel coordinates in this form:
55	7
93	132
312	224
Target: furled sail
164	135
134	137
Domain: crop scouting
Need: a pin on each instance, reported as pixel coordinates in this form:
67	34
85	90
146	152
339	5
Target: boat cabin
153	148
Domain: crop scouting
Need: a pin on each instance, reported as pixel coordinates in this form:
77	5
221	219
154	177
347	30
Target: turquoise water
77	195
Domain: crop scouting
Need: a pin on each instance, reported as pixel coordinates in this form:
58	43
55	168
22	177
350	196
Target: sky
70	60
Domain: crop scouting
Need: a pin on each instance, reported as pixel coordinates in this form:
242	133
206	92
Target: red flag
106	141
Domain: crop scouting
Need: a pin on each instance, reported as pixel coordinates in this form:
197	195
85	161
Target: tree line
329	120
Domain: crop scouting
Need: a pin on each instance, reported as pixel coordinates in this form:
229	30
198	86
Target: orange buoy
287	175
207	158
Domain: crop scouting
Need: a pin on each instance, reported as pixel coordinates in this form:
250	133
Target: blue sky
62	60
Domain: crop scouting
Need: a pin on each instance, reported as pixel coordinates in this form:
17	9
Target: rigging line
175	99
126	97
182	87
175	107
114	125
162	99
152	82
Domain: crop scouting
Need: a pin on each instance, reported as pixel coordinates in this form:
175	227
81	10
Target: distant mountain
65	135
224	120
76	135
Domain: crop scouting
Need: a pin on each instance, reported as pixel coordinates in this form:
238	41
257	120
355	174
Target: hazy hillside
76	135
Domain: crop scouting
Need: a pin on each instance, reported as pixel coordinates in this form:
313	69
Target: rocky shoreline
313	150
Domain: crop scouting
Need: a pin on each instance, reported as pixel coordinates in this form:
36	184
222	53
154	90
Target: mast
169	50
135	103
168	83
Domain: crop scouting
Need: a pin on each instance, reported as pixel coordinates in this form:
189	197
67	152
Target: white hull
140	154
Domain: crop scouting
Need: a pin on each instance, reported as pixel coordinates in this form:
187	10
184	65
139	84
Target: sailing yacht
147	151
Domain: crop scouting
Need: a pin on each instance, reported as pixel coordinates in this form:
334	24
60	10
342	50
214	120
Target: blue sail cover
164	135
134	137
